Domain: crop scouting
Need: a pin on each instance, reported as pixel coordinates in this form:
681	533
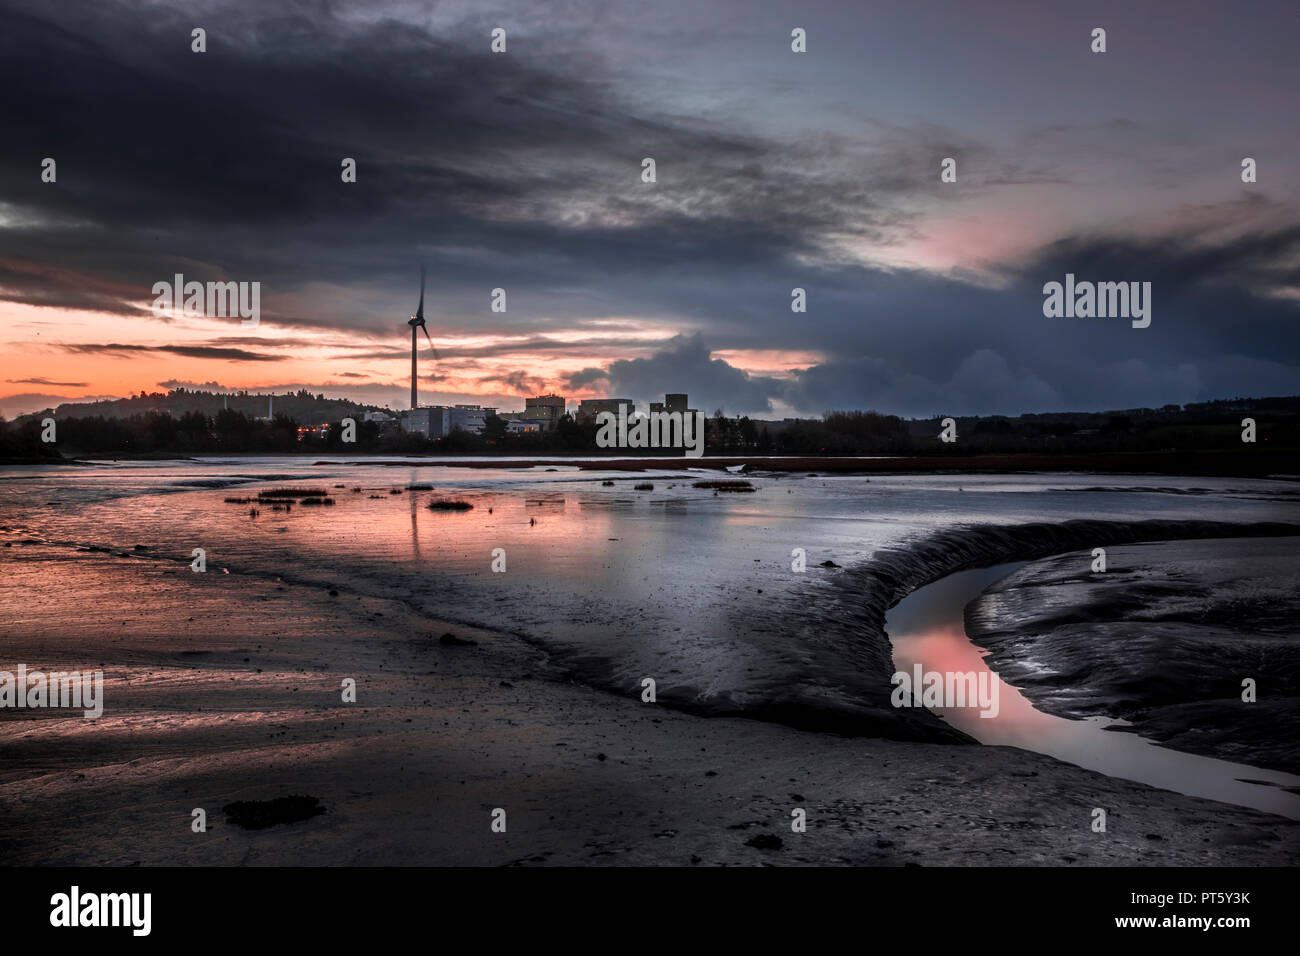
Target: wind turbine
417	322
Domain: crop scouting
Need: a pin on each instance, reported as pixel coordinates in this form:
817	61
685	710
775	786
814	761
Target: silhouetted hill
301	406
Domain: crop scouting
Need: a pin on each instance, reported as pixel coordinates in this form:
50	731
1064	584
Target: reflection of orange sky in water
1087	743
947	649
650	578
567	539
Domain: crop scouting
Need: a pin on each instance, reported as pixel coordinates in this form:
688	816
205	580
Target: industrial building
589	408
544	408
541	413
438	421
674	402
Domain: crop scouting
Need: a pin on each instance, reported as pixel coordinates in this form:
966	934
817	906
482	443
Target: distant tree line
302	405
1209	426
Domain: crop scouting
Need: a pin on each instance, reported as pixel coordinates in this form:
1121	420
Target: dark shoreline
1272	463
1283	464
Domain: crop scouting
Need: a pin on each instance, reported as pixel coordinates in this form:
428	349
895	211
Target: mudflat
235	693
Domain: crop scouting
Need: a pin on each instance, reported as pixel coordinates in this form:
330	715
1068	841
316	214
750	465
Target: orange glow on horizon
41	355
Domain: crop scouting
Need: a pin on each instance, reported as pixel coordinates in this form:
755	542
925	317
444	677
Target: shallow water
691	588
927	628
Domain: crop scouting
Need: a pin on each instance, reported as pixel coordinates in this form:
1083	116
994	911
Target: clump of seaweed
449	504
316	501
643	486
293	493
718	485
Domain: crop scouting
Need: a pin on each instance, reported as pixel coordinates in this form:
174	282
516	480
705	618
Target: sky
775	170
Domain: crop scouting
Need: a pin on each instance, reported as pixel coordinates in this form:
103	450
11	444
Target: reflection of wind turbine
415	531
417	322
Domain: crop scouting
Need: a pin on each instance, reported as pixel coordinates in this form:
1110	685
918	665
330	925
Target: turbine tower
417	322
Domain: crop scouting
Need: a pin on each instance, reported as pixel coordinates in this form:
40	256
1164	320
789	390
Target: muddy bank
854	602
227	690
818	658
1163	639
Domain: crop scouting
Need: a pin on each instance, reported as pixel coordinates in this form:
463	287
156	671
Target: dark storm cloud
56	284
522	171
584	378
189	351
521	346
518	382
555	347
685	365
914	343
225	165
926	344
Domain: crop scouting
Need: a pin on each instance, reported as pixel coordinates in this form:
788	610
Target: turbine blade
431	345
419	313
